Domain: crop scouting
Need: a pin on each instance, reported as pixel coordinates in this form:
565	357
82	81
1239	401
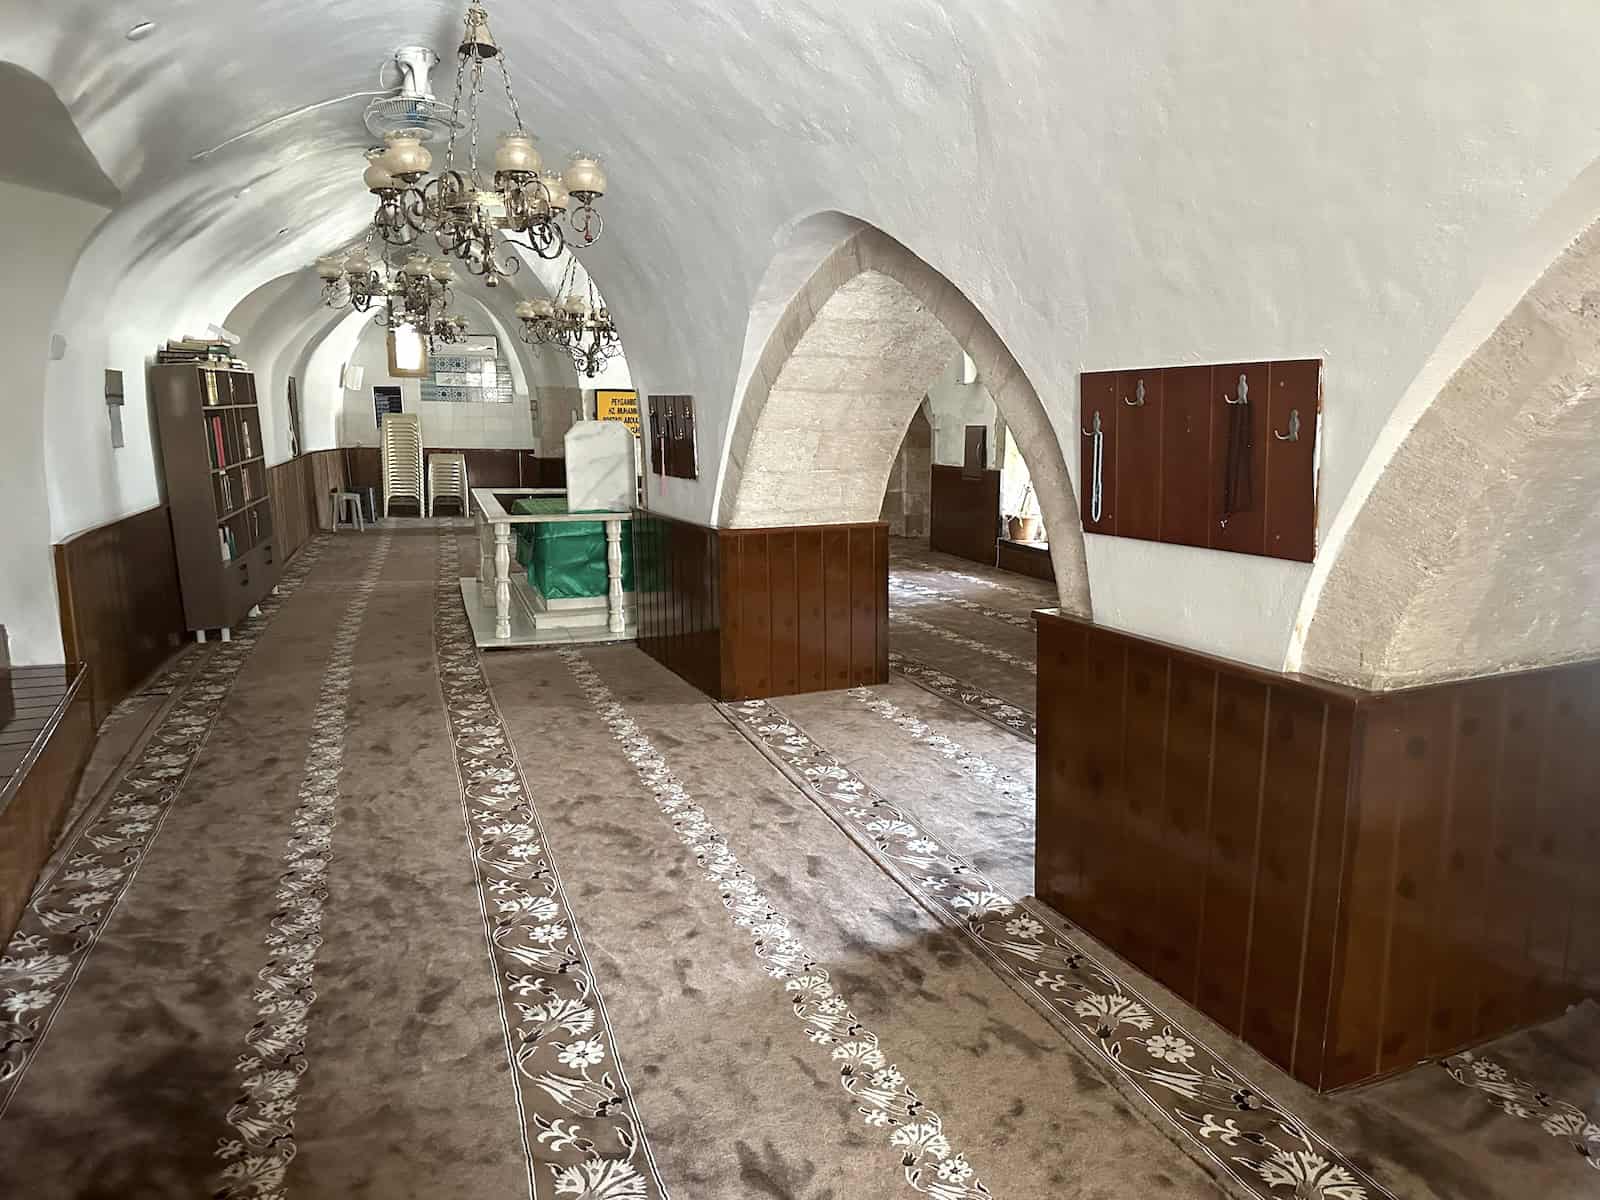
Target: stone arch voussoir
1475	550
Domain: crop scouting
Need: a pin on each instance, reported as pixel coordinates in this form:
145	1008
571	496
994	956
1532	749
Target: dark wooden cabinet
1181	459
213	461
1238	472
963	513
1138	453
1185	456
672	437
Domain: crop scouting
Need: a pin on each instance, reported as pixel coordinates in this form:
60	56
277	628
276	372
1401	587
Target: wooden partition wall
300	503
363	466
749	613
117	584
46	733
121	611
1352	882
678	572
964	514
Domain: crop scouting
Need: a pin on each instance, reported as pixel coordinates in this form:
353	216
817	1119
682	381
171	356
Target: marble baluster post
502	579
616	620
485	558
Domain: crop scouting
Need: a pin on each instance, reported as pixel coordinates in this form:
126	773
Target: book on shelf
207	352
217	439
244	434
244	485
225	537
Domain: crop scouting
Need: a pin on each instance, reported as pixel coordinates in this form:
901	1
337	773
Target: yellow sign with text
618	406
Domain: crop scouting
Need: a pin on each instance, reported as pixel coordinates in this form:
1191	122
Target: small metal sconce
114	404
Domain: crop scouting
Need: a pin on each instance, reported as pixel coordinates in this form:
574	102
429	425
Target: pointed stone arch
824	408
1473	552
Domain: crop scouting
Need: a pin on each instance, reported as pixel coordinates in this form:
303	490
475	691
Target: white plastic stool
347	510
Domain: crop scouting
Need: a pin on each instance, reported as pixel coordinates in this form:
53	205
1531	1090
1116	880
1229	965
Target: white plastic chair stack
402	460
447	477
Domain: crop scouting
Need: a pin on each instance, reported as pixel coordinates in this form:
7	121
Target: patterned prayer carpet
367	914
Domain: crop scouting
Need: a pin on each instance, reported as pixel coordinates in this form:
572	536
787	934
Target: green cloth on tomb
566	560
530	506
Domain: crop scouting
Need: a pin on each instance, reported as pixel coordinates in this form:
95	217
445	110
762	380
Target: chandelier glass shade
464	206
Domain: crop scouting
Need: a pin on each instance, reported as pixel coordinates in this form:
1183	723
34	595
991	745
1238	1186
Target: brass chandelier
574	322
417	293
462	208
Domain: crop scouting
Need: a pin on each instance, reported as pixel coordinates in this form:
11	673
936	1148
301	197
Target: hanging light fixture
417	293
594	342
463	207
575	321
539	325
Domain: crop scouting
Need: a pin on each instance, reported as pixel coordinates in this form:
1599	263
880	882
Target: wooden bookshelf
209	429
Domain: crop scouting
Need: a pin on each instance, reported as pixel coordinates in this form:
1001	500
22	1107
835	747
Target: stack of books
200	350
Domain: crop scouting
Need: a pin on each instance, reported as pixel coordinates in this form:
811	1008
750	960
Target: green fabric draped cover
566	560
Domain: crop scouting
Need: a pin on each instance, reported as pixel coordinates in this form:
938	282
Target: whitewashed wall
954	406
467	425
38	263
1111	186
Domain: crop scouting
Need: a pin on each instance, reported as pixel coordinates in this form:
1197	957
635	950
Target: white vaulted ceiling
1109	184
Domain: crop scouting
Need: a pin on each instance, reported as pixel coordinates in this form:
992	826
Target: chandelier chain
511	96
455	125
472	117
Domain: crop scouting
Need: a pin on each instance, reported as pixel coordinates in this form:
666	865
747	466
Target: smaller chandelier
417	294
540	326
576	323
449	330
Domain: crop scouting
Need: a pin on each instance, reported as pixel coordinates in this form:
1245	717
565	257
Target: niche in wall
408	353
1223	457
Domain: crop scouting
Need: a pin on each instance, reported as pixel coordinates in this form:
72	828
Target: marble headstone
600	466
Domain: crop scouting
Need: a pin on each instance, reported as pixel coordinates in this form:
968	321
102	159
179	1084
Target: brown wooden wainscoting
121	610
749	613
1352	882
44	744
1025	558
300	504
678	576
964	514
485	468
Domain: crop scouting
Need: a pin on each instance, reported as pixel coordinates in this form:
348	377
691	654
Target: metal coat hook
1138	401
1097	479
1244	392
1294	428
